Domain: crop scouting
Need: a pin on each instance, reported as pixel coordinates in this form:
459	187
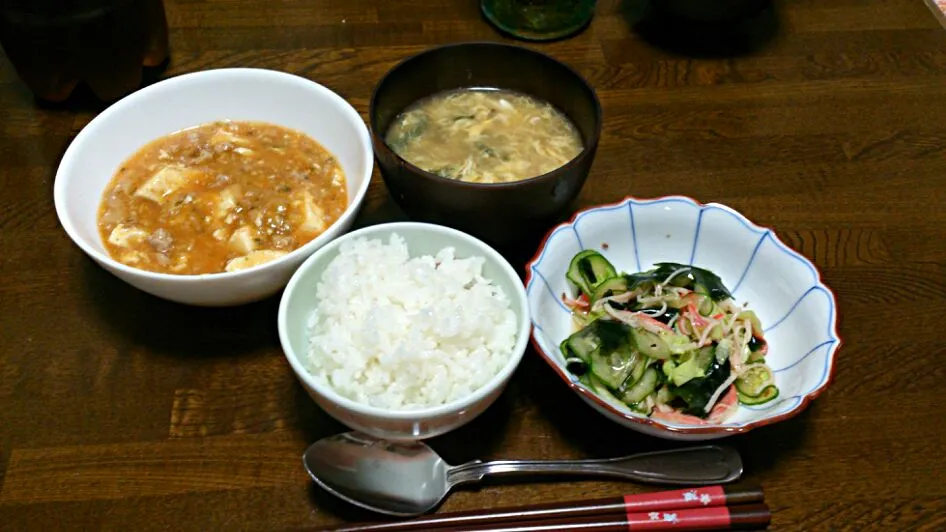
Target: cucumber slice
668	367
755	381
705	357
664	395
706	307
662	345
612	369
699	288
585	378
694	366
640	365
755	357
753	319
650	344
609	287
682	279
580	320
768	394
642	388
583	344
723	349
717	333
605	336
603	392
677	343
589	268
697	392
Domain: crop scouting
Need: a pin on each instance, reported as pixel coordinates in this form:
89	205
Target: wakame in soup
484	136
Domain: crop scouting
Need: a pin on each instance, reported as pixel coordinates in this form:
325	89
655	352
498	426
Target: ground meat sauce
220	197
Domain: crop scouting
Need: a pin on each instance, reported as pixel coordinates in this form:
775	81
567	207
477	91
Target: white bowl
299	300
798	312
188	100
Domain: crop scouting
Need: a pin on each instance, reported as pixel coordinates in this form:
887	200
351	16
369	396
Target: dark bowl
502	212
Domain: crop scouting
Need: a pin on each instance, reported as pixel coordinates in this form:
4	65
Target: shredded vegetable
669	342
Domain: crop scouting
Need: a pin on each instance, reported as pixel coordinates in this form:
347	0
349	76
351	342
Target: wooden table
824	120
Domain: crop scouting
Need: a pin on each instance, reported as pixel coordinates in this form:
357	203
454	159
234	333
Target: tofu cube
254	258
123	236
165	182
242	240
314	216
227	200
222	136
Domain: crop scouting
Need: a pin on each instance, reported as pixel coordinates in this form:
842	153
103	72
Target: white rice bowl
403	333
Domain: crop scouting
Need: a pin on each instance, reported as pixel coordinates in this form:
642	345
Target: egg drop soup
484	136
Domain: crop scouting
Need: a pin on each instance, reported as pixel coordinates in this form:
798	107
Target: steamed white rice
404	333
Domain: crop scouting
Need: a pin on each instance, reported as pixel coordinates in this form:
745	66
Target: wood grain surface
824	119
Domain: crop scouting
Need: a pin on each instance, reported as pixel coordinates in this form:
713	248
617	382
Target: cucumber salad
669	343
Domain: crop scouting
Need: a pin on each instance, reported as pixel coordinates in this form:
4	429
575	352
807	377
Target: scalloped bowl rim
693	429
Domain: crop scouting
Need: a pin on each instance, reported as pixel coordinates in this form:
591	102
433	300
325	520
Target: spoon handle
703	465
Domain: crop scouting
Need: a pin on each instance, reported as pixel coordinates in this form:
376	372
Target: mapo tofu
220	197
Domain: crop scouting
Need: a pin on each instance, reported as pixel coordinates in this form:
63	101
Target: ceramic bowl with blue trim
798	312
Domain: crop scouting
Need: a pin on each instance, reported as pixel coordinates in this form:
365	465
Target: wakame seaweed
612	334
687	279
697	392
755	344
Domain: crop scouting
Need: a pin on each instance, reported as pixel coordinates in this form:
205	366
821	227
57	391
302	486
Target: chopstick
605	512
740	516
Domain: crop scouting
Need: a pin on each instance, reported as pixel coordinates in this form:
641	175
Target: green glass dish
539	20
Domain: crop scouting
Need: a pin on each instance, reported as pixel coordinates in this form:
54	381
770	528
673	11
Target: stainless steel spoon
407	479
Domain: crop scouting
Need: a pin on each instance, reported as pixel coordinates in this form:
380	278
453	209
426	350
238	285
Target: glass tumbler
539	20
56	44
